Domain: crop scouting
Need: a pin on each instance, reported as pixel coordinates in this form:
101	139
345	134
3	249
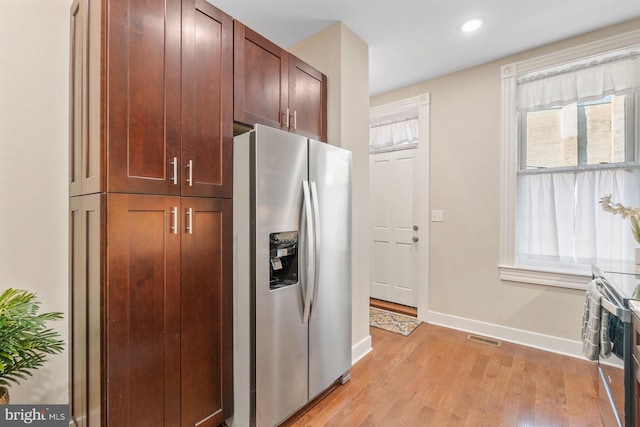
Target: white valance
610	75
397	133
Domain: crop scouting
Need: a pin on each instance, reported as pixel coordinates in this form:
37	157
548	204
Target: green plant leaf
24	338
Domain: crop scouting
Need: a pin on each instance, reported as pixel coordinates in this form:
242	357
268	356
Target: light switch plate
437	216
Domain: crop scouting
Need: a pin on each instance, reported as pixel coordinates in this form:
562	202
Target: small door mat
392	322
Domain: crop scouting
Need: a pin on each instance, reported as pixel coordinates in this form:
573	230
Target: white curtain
559	216
398	133
585	82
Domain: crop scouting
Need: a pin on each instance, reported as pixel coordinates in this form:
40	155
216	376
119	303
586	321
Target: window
586	133
570	137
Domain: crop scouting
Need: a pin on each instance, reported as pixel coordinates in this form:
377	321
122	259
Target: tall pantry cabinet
151	133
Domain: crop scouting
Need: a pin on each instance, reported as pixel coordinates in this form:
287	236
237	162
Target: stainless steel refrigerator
292	273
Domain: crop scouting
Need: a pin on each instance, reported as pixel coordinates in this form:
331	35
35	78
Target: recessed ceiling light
471	25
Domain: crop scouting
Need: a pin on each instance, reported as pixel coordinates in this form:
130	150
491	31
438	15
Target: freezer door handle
316	245
310	273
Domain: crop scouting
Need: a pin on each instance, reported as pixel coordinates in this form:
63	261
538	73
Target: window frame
509	270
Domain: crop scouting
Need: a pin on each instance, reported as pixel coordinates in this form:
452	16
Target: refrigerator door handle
316	245
310	270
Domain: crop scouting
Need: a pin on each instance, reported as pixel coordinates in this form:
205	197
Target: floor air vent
484	340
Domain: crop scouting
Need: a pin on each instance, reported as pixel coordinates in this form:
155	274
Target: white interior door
395	203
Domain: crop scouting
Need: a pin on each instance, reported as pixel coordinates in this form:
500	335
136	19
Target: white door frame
422	103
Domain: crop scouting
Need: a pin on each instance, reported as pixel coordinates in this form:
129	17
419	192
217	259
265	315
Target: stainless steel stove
616	385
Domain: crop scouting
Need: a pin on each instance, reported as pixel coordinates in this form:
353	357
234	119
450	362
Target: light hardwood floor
436	377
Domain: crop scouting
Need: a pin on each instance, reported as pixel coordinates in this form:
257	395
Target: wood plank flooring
436	377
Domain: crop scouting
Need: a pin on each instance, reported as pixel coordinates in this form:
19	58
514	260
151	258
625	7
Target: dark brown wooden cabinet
142	70
274	88
151	98
206	310
151	283
307	100
207	100
142	321
161	270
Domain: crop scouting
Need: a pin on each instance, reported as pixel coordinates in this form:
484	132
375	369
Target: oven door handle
624	314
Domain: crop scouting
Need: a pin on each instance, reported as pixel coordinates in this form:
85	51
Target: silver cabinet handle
190	175
295	119
174	220
415	238
190	221
174	178
286	118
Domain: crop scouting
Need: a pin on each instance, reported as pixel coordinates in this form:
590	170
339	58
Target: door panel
381	256
78	343
144	95
207	333
383	271
87	261
330	324
94	210
143	305
260	79
308	100
394	200
207	100
77	86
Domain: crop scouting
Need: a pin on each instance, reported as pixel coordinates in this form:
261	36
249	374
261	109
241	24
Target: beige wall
344	59
34	44
465	183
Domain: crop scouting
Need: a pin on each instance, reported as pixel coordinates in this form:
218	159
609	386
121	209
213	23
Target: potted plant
25	339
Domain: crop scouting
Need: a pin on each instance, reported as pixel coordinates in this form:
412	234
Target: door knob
415	238
415	228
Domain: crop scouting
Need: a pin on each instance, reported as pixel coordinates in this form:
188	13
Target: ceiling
414	40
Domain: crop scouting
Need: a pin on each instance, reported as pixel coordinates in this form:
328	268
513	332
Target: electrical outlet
437	216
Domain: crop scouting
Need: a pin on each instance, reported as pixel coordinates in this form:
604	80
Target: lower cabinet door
206	314
143	311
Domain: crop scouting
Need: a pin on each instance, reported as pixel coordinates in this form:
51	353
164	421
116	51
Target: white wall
344	59
465	288
34	44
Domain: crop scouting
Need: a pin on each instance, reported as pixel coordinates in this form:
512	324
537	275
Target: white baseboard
361	349
517	336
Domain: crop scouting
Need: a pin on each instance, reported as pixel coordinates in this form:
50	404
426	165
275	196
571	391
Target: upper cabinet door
207	100
260	79
143	93
307	100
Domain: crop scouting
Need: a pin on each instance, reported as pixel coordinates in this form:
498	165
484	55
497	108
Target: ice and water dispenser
283	259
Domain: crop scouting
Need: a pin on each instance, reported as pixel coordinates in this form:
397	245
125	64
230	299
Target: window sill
558	279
